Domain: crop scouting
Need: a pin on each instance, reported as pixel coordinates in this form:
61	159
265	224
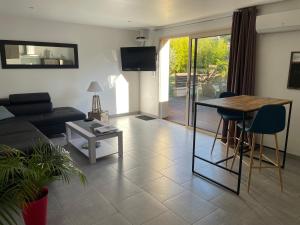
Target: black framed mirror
294	74
37	55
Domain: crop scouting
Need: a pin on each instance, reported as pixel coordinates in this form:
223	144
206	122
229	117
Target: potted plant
24	179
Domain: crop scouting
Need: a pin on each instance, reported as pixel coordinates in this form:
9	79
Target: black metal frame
35	43
239	172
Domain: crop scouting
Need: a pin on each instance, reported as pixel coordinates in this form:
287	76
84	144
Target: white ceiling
123	13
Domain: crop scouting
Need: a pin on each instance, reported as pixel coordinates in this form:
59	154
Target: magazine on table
106	129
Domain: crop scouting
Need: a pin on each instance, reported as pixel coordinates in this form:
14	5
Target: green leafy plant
22	176
211	65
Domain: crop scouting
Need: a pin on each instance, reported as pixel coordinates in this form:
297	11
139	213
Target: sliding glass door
208	68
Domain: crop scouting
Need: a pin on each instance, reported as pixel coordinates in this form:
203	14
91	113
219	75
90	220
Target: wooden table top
244	103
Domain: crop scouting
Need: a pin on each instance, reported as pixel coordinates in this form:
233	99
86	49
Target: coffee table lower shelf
104	149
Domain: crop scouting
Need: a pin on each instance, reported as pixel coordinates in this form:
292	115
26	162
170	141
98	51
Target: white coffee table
85	134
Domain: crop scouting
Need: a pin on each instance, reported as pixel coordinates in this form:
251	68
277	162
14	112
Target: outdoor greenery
213	55
22	176
212	62
179	55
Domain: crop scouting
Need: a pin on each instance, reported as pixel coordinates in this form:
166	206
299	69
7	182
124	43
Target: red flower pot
35	213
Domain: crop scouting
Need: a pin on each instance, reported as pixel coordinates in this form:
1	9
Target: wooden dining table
245	104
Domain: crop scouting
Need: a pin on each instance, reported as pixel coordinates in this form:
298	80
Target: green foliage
22	177
212	55
179	55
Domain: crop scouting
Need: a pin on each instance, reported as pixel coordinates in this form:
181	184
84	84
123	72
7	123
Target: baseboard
273	149
124	114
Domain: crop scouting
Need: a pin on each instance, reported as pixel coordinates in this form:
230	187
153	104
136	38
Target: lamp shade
95	87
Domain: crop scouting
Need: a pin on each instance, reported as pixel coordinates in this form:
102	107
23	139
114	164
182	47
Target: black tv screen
138	58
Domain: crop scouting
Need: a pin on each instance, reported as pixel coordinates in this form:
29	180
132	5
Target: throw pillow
5	114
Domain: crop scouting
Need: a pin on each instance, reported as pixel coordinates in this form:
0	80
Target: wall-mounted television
138	58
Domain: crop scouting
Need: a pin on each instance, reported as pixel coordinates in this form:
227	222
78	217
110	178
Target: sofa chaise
35	120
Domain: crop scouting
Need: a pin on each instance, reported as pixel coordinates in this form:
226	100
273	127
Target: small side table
83	129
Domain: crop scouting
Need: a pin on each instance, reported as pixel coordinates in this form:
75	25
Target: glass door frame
192	64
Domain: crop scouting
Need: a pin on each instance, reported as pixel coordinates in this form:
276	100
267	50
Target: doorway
178	77
198	68
209	58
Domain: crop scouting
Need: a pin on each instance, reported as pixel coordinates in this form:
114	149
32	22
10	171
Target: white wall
273	59
272	70
99	59
149	94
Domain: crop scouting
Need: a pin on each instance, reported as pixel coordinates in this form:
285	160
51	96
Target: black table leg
198	173
287	135
194	136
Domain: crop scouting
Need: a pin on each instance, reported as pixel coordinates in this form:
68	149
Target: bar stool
229	116
270	119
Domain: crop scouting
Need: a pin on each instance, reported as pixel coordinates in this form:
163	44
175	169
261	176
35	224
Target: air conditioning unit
278	22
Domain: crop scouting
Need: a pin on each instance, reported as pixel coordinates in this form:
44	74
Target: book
106	129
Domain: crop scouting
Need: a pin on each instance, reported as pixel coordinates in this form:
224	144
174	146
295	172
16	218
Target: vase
35	212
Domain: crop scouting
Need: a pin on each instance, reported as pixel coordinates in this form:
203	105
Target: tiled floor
153	185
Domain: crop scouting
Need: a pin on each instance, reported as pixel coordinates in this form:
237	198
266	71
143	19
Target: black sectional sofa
35	120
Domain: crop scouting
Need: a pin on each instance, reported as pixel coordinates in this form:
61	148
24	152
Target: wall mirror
26	54
294	75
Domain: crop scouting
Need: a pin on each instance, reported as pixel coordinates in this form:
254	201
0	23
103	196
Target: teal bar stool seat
230	116
270	120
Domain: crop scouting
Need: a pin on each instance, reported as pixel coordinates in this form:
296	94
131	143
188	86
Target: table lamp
96	88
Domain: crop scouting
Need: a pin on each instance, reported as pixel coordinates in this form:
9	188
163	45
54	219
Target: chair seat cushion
57	116
235	117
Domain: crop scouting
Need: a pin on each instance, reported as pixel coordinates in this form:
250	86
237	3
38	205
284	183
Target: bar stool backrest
270	119
222	111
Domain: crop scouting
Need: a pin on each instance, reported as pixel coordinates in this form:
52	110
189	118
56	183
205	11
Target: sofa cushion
5	114
20	134
29	98
57	116
53	129
15	125
4	101
23	141
30	109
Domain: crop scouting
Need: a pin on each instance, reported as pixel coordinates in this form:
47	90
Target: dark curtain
241	71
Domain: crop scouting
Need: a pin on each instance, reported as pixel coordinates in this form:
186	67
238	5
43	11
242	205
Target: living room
146	169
